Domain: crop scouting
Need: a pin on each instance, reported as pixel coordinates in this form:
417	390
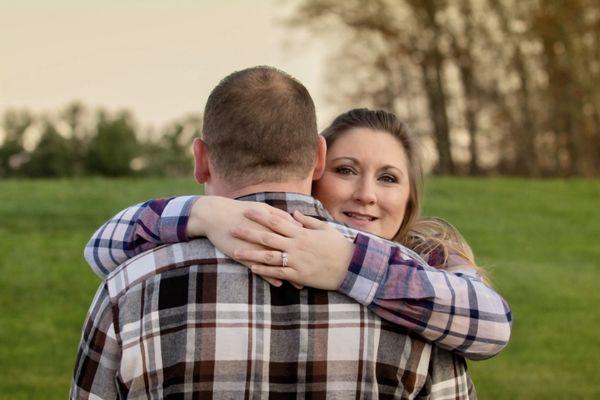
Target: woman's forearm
136	229
456	310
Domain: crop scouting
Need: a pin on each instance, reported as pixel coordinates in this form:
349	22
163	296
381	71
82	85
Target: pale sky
159	59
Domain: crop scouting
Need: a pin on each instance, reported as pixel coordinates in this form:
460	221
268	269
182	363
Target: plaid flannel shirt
453	308
183	319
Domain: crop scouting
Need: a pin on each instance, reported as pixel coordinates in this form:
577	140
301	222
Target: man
183	320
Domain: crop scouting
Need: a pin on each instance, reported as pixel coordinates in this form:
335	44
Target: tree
463	48
432	66
171	154
76	116
562	28
12	152
113	146
54	155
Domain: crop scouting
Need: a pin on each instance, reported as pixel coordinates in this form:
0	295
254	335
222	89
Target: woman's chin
362	225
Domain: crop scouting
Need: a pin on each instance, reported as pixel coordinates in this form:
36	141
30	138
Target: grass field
539	239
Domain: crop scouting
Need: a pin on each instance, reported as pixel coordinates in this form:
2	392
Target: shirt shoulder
161	260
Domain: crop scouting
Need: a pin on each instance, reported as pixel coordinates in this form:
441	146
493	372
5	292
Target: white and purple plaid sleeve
136	229
455	310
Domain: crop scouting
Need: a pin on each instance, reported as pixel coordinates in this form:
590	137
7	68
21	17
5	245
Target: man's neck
303	187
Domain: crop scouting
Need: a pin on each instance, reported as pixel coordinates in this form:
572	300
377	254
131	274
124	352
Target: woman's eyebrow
391	167
386	167
352	159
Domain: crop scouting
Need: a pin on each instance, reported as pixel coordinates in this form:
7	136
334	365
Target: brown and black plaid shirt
185	321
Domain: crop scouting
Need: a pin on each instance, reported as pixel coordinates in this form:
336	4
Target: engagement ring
284	259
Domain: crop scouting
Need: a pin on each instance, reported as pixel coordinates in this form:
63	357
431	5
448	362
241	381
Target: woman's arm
136	229
456	310
453	308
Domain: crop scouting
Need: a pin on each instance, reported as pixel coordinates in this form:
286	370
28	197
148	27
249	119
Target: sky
160	59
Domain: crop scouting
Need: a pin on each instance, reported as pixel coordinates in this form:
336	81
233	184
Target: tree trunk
526	162
471	120
464	60
433	71
525	153
436	101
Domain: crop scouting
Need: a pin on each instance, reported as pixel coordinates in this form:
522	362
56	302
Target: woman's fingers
308	222
272	281
268	257
272	258
282	214
265	239
267	271
272	221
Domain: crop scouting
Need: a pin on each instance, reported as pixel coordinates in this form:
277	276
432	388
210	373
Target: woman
372	182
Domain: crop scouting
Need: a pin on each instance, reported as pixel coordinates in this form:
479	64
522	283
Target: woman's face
365	184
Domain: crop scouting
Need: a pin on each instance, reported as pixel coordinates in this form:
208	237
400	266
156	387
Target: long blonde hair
436	240
427	236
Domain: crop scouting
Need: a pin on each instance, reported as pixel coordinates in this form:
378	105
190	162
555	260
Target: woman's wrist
346	253
198	221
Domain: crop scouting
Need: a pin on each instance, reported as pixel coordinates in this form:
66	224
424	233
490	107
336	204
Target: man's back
185	319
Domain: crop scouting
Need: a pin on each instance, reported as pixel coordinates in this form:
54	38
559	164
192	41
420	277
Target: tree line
77	141
506	87
503	86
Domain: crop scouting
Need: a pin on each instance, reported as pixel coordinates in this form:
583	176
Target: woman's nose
364	193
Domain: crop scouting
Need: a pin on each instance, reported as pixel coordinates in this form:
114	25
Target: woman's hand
318	255
215	216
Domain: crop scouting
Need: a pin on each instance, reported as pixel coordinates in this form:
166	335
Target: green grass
541	242
539	239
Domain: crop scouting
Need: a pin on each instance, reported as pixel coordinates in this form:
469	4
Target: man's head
259	129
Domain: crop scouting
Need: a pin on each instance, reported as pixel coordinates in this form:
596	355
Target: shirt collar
291	202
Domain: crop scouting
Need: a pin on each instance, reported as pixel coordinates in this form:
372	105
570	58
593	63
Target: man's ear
201	164
321	157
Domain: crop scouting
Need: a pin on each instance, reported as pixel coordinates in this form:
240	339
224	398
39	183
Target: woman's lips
359	219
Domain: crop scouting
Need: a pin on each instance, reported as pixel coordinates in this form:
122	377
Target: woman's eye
344	170
388	179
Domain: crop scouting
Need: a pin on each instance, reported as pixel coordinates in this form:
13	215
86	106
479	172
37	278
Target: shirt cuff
174	219
367	269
